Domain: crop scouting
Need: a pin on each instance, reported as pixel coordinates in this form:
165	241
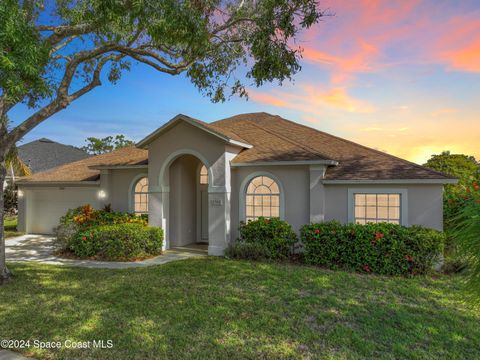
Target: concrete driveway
40	249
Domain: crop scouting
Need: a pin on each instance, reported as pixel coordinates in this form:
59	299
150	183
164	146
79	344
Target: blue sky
399	76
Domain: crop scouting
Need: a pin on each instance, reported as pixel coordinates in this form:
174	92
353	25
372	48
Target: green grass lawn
10	226
217	308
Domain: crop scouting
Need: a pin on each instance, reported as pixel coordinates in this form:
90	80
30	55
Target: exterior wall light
20	193
102	194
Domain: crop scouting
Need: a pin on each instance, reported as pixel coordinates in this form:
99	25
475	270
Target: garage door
48	205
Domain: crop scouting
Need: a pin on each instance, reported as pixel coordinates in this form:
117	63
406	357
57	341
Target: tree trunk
5	274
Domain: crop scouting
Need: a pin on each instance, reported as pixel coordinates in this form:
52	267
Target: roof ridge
365	147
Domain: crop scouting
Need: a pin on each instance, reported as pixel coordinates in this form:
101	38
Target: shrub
381	248
64	234
118	242
249	251
467	234
274	235
10	199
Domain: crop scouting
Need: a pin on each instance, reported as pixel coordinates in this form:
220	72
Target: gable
225	135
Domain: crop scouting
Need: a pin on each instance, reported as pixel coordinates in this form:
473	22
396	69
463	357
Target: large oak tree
53	52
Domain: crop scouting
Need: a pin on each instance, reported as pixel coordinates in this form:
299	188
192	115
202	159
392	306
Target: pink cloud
369	36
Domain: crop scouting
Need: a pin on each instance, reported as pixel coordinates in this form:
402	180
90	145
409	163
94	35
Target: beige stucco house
199	180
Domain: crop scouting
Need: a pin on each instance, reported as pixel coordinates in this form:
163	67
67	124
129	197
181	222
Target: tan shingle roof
81	170
273	139
278	139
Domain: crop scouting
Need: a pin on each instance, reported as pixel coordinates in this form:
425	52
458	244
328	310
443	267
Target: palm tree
14	163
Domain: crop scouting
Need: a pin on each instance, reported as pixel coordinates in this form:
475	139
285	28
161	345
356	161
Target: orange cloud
337	98
466	59
267	99
312	99
443	111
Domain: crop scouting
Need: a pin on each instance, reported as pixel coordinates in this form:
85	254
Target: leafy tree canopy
465	167
96	146
52	52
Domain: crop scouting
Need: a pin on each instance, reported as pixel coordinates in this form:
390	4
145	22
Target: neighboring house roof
45	154
265	138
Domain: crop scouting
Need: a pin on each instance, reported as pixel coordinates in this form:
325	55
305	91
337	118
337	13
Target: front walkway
39	249
10	355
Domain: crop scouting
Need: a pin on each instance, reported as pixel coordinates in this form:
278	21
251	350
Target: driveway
40	249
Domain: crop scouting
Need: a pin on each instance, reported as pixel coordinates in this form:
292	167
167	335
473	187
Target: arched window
140	196
262	198
204	175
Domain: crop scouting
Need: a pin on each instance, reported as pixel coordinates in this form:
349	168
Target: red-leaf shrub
381	248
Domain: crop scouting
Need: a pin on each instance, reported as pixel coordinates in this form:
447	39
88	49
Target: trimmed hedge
273	239
382	248
117	242
247	251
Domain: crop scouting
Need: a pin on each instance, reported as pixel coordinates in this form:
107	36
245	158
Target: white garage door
48	205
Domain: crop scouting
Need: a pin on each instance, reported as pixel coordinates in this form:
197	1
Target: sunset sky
400	76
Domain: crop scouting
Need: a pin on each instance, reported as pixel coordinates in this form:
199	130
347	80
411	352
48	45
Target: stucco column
22	210
317	193
219	198
158	206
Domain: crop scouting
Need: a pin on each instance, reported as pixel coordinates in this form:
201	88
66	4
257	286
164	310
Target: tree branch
70	69
153	64
142	54
61	32
230	24
62	44
62	100
95	78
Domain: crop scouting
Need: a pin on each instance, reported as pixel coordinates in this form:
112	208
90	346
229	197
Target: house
199	180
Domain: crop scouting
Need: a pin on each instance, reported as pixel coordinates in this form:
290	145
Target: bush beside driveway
218	308
10	227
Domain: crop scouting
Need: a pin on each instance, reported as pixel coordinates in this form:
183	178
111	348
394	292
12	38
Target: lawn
10	226
216	308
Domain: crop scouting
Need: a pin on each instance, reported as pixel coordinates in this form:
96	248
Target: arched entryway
188	201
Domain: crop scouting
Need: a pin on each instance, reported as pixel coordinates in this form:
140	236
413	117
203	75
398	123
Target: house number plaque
216	202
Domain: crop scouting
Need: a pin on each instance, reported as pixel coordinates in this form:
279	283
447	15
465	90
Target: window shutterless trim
403	201
131	192
243	192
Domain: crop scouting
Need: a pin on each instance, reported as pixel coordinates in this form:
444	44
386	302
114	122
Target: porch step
198	248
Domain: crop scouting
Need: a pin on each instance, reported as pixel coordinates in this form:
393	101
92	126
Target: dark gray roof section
45	154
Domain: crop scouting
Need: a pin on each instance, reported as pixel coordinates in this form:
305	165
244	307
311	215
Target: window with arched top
204	175
262	198
140	196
